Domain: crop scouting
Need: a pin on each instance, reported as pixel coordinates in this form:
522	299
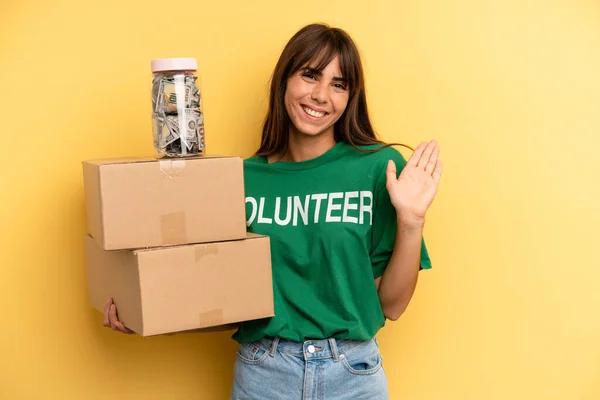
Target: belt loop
273	348
334	349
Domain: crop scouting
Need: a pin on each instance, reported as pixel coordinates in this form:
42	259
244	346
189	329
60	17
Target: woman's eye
309	76
339	87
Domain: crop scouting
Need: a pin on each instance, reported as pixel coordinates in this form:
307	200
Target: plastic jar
177	118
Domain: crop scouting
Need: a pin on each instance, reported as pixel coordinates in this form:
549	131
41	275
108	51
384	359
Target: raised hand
414	190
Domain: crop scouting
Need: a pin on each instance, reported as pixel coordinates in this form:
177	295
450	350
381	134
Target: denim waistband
312	349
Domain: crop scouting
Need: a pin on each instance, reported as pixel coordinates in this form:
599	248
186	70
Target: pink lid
174	64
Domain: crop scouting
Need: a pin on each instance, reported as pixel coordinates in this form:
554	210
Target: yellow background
510	88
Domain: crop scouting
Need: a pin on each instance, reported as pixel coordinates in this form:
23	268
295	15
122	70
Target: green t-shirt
332	230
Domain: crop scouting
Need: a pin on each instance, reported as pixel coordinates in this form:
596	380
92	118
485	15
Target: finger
112	316
123	328
107	305
432	160
390	173
416	155
437	172
426	154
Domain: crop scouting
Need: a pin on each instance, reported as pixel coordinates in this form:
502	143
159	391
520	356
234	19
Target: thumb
390	173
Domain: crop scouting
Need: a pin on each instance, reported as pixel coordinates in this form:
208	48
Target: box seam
101	211
142	250
139	270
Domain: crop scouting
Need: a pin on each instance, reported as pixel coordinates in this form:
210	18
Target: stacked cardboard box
167	241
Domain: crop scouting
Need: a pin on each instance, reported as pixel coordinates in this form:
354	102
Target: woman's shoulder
381	152
254	160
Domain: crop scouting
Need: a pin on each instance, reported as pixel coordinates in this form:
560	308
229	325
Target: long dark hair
321	43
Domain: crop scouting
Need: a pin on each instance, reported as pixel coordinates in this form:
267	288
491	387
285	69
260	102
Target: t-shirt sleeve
383	230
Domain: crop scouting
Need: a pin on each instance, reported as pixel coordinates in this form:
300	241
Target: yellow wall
510	88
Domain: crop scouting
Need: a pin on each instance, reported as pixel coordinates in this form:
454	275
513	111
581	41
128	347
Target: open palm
414	190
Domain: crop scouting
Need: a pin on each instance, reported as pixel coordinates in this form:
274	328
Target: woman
346	231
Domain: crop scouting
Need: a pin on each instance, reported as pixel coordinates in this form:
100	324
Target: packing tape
203	250
211	318
171	169
173	228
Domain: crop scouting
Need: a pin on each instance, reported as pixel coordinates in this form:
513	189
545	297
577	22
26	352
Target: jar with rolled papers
177	118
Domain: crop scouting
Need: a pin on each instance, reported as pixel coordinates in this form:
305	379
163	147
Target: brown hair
321	43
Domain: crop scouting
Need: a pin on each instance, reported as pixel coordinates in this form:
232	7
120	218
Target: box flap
93	204
249	236
145	159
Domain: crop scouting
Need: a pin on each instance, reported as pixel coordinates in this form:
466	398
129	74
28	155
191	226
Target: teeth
313	112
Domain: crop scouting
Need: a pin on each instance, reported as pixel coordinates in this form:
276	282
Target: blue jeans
330	369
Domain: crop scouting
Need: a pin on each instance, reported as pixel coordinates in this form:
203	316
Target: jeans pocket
252	353
363	359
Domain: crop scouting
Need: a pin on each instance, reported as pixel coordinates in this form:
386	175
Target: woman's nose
319	92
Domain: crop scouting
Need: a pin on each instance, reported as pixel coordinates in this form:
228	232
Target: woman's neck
305	147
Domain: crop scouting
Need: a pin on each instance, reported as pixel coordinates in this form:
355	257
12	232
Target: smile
313	113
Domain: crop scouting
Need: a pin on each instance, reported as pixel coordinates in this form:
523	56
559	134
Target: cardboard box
174	289
147	202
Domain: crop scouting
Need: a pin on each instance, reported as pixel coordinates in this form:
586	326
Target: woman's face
315	101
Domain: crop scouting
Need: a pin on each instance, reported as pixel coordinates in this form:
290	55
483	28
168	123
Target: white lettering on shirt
364	207
318	198
348	206
298	209
252	201
261	209
332	207
288	213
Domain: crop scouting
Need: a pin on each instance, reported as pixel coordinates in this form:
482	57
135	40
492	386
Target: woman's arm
397	284
411	195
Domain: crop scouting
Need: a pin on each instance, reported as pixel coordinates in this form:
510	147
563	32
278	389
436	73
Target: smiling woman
332	210
317	86
315	100
345	229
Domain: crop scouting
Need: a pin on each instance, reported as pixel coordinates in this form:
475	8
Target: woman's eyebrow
316	72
